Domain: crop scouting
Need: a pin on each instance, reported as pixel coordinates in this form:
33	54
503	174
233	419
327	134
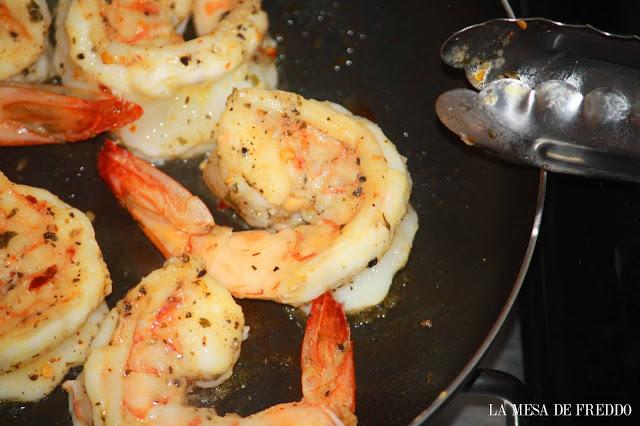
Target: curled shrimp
333	189
136	49
52	277
24	45
179	326
41	114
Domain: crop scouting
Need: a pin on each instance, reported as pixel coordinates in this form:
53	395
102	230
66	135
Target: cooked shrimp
179	326
37	378
39	114
24	26
136	48
52	274
283	160
334	187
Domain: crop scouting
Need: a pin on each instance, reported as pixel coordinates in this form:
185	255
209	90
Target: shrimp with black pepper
136	49
178	327
332	189
52	285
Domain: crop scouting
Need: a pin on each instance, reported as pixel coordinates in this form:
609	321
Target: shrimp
44	114
136	49
52	278
178	326
331	186
37	378
24	44
41	114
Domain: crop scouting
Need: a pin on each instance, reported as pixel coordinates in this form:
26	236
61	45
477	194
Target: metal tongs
561	97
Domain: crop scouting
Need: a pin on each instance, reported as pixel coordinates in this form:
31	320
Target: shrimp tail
166	211
328	373
40	114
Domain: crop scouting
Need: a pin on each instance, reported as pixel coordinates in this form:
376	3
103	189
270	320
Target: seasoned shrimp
37	378
39	114
52	277
136	48
24	45
331	184
179	326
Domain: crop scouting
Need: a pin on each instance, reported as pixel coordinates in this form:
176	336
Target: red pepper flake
271	52
41	280
31	199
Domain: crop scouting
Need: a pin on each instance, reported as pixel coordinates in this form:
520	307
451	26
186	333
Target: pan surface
381	60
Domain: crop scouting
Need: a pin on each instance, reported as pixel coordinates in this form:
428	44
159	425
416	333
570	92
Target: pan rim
465	373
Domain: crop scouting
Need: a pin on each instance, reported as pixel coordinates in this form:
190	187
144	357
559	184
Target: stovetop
574	332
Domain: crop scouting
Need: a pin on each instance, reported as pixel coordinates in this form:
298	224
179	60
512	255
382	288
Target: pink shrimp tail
39	114
328	373
167	212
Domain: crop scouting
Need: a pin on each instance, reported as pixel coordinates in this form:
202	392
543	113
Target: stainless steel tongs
561	97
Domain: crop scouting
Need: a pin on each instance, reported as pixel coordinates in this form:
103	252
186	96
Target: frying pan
381	60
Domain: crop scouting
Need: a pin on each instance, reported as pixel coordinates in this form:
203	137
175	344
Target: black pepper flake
254	268
185	59
245	152
50	236
362	178
187	315
127	308
202	273
204	323
5	237
224	15
386	222
357	192
142	290
241	36
33	377
373	262
35	14
80	56
276	268
184	257
341	347
12	213
13	34
358	161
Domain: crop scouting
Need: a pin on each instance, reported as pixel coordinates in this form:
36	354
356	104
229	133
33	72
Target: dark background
580	305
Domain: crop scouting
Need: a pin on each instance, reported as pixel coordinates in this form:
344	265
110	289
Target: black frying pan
476	216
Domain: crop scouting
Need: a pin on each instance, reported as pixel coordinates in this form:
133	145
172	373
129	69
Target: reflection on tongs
561	97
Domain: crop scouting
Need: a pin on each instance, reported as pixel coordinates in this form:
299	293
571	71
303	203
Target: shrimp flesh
177	327
37	378
333	189
41	114
24	40
52	278
137	50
